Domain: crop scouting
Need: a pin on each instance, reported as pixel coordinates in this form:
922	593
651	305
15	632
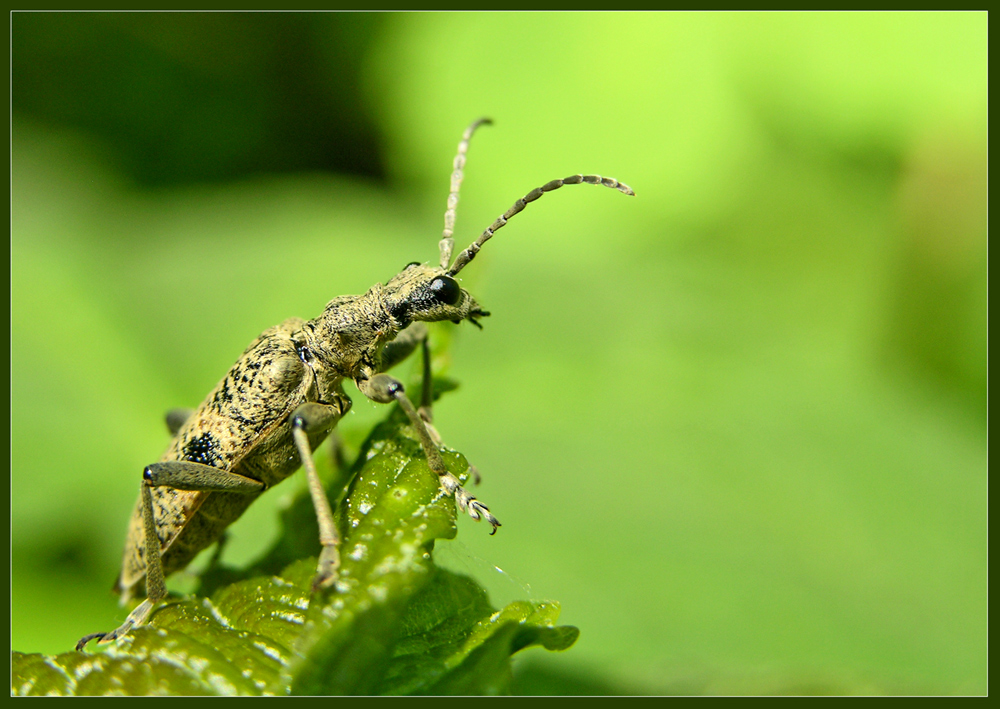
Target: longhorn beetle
283	397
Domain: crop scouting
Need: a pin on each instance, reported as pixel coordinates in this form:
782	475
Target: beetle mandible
282	398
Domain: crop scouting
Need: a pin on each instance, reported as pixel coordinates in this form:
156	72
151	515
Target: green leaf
394	623
448	625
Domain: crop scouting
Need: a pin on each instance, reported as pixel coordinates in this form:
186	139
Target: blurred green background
736	425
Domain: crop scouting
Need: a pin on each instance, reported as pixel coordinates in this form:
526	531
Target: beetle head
429	293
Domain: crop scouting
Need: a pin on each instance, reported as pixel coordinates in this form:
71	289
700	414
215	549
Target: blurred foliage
395	624
196	97
750	402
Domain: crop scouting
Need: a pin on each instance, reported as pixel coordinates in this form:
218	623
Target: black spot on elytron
204	449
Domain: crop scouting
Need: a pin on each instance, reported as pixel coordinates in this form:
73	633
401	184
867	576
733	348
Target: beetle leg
156	588
427	392
337	456
180	475
385	389
220	545
400	348
427	400
176	418
184	475
306	419
403	345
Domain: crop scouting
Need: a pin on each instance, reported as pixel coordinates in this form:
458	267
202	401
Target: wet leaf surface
394	623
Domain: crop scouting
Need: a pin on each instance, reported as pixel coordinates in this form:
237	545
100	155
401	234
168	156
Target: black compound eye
411	264
446	290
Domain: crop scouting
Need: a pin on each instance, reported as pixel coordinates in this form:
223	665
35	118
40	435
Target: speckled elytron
281	400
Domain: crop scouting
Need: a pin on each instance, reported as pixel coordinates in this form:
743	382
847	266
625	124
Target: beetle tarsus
87	638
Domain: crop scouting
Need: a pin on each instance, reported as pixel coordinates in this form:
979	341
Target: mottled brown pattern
245	409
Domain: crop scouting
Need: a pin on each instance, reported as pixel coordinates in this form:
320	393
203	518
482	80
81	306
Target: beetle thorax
351	331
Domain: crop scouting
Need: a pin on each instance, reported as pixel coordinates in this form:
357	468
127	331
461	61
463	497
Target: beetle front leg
385	389
402	347
307	419
427	396
427	401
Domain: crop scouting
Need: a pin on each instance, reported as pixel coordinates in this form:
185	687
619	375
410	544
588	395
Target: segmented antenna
462	260
447	243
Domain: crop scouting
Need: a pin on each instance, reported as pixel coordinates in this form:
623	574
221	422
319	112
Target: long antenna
447	243
462	260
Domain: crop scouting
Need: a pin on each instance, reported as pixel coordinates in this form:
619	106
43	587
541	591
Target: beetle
283	397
